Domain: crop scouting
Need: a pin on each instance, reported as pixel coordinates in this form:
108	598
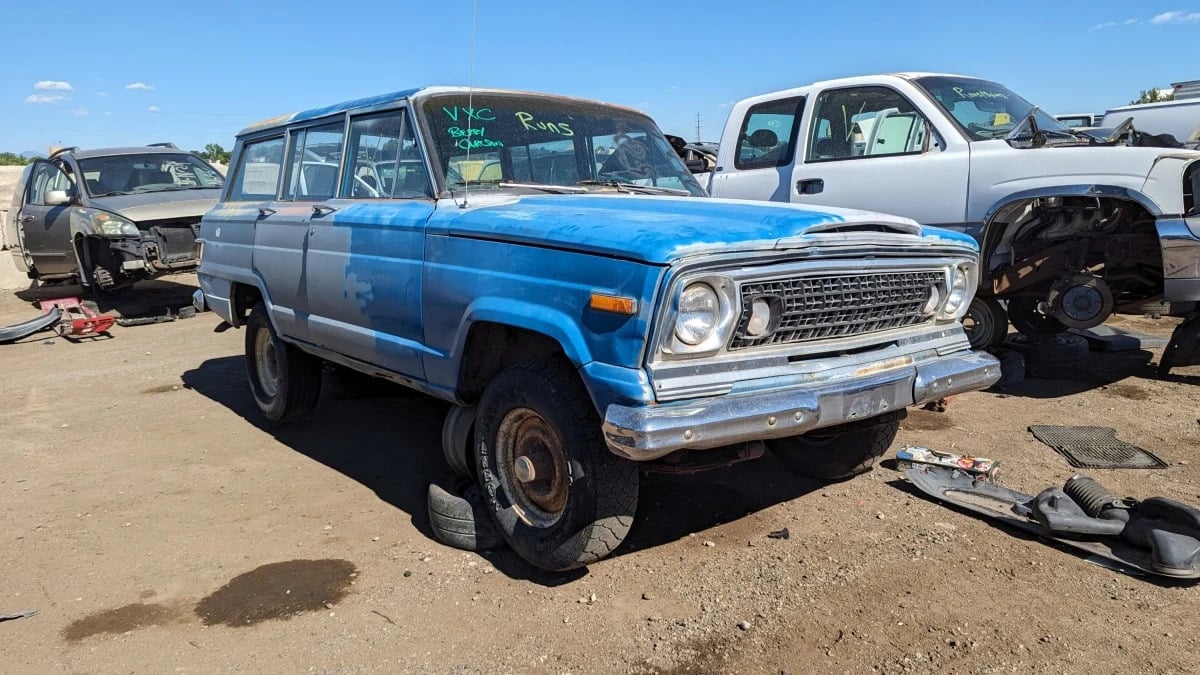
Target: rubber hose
1091	496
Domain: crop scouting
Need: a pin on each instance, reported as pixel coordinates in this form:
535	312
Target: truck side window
314	160
768	135
387	162
258	171
865	122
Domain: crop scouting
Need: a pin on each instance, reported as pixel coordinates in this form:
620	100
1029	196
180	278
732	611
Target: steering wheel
631	160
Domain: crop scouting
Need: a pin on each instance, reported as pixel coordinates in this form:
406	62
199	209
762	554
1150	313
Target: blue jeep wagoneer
550	267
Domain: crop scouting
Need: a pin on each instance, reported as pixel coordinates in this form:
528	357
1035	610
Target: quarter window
258	171
386	160
865	122
768	135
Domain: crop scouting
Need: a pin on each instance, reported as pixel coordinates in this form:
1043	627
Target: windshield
983	109
151	172
498	139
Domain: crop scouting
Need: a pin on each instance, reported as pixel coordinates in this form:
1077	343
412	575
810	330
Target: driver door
44	226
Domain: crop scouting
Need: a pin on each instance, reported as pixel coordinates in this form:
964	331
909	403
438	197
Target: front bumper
1180	239
649	432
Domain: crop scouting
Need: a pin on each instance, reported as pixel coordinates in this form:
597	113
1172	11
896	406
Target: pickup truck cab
1071	228
550	267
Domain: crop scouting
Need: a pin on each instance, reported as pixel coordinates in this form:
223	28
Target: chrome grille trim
838	305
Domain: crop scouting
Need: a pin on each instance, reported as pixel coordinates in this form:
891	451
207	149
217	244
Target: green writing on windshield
473	138
527	120
481	114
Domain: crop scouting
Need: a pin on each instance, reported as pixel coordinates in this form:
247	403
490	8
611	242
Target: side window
768	135
47	177
258	171
865	122
386	160
313	163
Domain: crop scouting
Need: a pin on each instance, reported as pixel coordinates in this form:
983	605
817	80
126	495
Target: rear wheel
560	498
986	323
840	452
285	381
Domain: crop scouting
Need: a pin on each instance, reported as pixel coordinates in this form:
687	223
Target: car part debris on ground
911	455
1095	448
1184	347
26	328
185	312
1158	536
78	318
18	615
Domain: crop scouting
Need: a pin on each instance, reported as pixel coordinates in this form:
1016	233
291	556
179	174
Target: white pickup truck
1072	229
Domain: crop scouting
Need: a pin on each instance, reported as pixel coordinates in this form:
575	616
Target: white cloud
44	98
152	108
138	85
54	85
80	112
1102	26
102	93
1130	22
1176	17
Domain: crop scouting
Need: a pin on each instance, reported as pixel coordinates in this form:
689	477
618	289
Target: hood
659	230
149	206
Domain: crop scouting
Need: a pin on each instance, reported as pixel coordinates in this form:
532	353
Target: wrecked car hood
659	230
159	205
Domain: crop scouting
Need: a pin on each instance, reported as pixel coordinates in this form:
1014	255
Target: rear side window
768	135
258	171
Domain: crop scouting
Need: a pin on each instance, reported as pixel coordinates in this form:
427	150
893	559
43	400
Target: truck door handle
264	211
27	219
323	209
810	186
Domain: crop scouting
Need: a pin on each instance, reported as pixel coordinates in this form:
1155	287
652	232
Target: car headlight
960	288
699	314
104	223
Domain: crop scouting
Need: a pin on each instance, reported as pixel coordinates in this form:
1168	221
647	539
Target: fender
550	322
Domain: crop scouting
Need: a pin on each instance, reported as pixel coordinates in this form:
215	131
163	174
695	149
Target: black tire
578	505
459	517
285	382
458	431
1025	317
1063	348
986	323
1012	368
841	452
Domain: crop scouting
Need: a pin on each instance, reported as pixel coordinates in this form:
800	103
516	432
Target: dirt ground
157	524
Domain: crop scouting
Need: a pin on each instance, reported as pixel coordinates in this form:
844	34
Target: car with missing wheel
582	303
107	217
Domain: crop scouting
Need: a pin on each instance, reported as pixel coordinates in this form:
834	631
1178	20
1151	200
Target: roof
125	150
396	97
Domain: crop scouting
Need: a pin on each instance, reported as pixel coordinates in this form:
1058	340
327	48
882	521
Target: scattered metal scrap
26	328
18	615
979	467
1095	448
185	312
1157	536
78	319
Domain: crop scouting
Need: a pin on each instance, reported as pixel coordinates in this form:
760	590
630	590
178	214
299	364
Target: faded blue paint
650	229
283	120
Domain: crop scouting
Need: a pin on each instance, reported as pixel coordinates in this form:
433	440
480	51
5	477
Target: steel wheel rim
532	467
978	325
265	363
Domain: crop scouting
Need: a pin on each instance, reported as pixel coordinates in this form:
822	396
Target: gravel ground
157	523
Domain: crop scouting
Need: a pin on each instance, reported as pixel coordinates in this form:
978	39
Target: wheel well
492	347
1110	236
243	298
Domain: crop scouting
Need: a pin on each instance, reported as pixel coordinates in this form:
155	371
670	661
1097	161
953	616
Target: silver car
111	216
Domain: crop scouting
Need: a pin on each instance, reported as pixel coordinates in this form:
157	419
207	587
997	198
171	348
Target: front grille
824	307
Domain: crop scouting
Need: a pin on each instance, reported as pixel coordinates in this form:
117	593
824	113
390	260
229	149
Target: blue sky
194	73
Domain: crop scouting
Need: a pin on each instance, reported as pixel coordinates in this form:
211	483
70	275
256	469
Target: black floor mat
1095	448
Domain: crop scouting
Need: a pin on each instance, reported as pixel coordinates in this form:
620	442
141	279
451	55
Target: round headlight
699	312
959	296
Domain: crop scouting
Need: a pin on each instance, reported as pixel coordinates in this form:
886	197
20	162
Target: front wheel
561	499
840	452
285	381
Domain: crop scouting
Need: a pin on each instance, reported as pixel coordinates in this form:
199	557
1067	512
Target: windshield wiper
113	193
634	187
557	189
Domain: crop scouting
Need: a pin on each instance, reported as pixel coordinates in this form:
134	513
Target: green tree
213	152
12	159
1153	96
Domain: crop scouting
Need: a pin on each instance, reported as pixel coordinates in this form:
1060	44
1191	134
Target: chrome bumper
648	432
1180	239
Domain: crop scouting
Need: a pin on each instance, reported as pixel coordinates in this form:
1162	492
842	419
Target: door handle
810	186
323	209
264	211
26	219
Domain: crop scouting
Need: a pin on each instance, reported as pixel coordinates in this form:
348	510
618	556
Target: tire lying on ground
458	517
840	452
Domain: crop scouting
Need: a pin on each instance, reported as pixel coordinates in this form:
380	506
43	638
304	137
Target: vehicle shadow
1098	370
387	438
152	297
